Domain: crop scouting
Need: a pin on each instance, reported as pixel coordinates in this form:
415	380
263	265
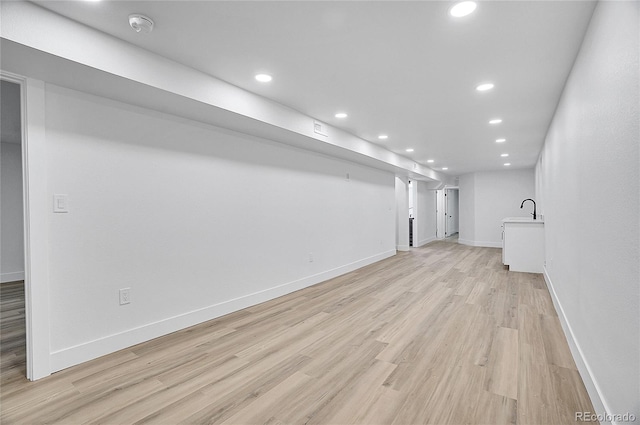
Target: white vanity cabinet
523	244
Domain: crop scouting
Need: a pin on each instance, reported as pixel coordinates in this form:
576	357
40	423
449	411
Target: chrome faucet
534	206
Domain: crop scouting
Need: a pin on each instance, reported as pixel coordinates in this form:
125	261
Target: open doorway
451	206
12	263
447	211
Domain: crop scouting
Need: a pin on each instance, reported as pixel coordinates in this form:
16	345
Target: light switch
60	204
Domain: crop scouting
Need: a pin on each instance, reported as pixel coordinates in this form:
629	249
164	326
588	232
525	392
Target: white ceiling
406	69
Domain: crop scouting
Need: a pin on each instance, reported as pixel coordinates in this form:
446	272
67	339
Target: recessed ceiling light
485	86
383	137
501	140
264	78
445	168
506	164
504	155
429	161
409	150
341	115
462	8
496	121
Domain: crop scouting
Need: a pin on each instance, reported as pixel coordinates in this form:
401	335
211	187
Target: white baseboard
480	243
402	247
425	241
11	277
71	356
590	383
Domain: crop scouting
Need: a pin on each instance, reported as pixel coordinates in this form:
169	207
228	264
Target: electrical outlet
125	296
311	257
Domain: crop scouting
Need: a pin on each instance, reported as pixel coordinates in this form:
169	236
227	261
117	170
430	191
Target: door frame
36	234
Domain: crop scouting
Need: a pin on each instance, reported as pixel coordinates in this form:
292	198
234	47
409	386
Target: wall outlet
125	296
311	257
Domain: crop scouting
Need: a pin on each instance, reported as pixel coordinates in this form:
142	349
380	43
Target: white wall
589	177
466	208
425	214
412	195
488	197
11	214
196	220
402	213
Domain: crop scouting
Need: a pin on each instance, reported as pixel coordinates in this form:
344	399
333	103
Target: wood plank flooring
12	333
442	334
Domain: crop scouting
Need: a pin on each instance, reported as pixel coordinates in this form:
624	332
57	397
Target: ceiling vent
141	23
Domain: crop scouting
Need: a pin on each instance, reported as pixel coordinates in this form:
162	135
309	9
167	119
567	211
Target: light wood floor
442	334
12	333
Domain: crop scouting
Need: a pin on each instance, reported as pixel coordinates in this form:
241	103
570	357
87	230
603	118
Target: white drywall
466	208
589	178
425	214
196	220
488	197
402	213
11	214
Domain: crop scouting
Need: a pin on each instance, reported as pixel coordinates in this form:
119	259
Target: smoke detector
141	23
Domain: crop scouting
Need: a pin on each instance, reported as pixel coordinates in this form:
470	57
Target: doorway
451	206
12	263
